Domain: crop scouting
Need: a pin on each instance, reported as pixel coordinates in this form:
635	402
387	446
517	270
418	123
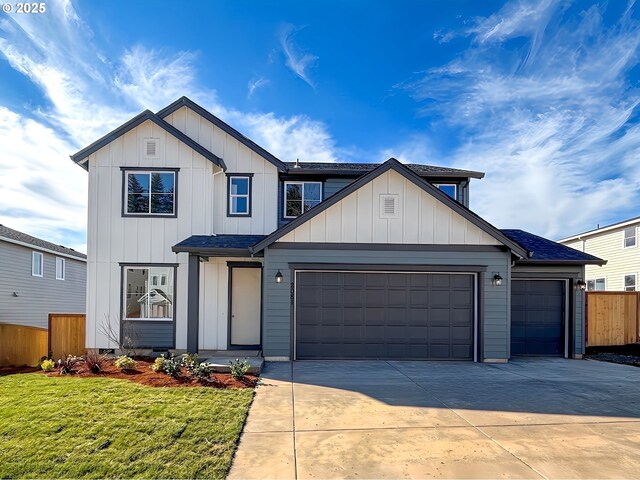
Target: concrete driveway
534	418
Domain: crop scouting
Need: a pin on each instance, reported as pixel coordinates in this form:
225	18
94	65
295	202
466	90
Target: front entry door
245	306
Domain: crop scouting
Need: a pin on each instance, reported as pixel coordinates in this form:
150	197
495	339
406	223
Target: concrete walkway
536	418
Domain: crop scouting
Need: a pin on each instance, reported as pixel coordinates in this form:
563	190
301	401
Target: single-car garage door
384	315
537	317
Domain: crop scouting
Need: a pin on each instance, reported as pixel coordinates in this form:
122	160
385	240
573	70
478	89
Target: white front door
245	305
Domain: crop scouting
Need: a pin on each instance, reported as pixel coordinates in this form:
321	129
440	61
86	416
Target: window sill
163	320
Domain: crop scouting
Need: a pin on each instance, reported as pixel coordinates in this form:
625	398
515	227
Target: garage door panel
537	317
385	315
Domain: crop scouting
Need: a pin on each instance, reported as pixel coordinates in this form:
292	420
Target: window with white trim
630	282
148	293
37	264
630	239
300	197
60	268
239	200
596	285
450	189
150	192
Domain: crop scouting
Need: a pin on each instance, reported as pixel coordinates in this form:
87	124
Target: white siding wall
620	261
422	219
201	192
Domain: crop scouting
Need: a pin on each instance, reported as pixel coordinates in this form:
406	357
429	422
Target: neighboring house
37	278
618	245
309	260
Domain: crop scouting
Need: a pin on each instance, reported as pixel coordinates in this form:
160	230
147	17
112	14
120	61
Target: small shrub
239	368
158	364
124	363
69	364
94	361
171	366
195	368
47	365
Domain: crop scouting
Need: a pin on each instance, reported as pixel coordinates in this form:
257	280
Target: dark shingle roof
548	251
218	244
362	168
11	234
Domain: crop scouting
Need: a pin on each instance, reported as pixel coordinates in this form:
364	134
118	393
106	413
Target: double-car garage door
385	315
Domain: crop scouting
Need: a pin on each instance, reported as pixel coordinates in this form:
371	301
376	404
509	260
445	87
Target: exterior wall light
580	285
279	277
497	280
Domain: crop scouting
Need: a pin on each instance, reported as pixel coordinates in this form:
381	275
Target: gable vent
151	147
388	206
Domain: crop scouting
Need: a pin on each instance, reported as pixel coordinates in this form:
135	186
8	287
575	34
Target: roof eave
213	252
529	261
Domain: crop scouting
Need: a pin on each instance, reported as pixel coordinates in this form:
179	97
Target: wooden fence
613	318
22	345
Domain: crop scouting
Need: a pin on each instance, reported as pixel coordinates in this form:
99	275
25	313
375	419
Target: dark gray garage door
384	315
537	317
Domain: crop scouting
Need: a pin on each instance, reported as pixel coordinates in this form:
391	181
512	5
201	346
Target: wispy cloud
541	100
297	61
88	93
255	84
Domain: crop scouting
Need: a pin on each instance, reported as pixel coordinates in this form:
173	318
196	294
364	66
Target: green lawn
95	428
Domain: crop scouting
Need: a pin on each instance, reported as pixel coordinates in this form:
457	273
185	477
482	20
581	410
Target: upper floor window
150	192
448	188
630	282
37	264
60	268
239	195
630	237
596	285
300	197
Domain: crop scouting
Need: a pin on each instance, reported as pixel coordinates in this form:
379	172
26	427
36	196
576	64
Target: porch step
220	363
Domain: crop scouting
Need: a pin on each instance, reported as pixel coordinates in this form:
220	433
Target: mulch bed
625	354
145	376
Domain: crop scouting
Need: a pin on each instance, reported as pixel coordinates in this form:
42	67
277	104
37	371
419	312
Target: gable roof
613	226
186	102
393	164
549	252
357	169
14	236
133	123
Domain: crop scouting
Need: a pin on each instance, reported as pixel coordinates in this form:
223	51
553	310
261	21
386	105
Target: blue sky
540	95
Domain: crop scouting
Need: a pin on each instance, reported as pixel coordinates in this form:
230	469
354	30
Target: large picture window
300	197
239	198
148	293
150	192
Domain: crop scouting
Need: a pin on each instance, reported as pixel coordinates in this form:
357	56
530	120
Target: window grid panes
300	197
36	264
151	193
630	237
60	268
239	200
148	293
630	283
596	285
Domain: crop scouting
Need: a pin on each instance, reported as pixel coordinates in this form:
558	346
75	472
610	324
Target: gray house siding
333	185
571	273
149	334
277	308
38	296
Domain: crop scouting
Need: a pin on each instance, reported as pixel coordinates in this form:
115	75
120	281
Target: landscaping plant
195	368
124	363
238	368
158	364
94	361
68	364
48	365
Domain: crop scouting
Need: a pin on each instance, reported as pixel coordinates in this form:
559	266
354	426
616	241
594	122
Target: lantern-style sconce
497	280
581	285
279	277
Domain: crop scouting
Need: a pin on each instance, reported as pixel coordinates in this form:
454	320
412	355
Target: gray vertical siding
38	296
334	185
571	272
277	309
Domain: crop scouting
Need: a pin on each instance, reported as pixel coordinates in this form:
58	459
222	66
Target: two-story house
38	278
618	245
200	240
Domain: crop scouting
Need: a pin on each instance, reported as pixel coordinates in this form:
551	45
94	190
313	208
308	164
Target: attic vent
151	147
388	206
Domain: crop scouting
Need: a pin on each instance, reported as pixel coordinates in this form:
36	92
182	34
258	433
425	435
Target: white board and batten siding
201	201
420	219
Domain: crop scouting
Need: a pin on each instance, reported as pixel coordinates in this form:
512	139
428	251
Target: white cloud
297	61
88	93
551	122
255	84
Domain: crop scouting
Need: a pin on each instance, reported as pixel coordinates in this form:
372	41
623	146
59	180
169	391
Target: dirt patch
615	358
145	376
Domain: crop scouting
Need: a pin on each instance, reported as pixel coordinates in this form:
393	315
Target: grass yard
95	428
